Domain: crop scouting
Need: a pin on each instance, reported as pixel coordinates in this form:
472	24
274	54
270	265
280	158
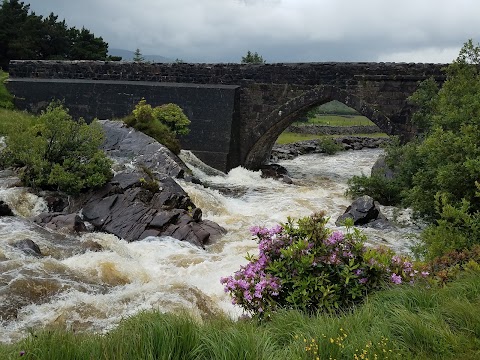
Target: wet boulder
69	223
275	171
28	246
363	210
5	209
134	206
380	168
125	145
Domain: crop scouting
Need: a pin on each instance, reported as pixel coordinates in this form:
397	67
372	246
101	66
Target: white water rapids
95	290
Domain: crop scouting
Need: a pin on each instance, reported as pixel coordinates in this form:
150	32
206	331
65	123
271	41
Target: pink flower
396	279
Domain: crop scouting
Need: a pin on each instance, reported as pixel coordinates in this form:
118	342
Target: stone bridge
237	110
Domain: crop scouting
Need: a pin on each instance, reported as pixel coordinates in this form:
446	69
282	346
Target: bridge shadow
282	117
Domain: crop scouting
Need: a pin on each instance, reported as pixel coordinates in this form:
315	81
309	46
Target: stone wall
338	73
332	130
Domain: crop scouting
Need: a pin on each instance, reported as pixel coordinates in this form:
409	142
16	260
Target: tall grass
406	322
14	121
6	100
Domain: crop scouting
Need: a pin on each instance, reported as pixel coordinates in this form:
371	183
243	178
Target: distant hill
127	55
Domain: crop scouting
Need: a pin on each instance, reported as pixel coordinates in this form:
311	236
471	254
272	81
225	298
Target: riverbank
318	146
407	322
316	129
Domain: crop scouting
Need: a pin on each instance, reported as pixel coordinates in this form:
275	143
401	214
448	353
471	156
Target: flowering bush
306	266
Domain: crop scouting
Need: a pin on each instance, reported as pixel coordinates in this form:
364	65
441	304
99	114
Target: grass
406	322
14	120
6	100
339	120
11	120
289	137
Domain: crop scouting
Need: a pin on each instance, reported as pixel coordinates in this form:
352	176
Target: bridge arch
282	117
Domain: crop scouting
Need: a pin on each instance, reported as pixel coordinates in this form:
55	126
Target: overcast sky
279	30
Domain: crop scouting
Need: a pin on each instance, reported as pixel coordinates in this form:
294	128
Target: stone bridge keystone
237	110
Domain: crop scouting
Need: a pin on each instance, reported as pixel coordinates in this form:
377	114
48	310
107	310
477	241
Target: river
94	290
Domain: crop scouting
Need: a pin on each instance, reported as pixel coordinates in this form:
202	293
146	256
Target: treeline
25	35
438	174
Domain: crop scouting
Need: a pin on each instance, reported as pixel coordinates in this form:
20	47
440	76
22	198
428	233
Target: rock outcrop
363	210
133	208
381	168
141	200
129	147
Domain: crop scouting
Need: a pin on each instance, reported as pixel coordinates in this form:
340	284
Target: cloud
279	30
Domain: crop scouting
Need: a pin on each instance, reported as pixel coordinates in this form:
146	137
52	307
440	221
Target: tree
137	56
24	35
85	46
437	175
252	58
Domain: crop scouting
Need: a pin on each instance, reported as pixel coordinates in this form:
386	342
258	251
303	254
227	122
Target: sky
216	31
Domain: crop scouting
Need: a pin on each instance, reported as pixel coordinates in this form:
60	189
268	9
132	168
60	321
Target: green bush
6	100
385	191
58	152
330	146
457	229
162	123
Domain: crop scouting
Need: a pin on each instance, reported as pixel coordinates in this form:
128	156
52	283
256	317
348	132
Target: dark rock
363	210
5	209
28	247
71	223
274	171
55	202
127	145
197	214
381	168
127	209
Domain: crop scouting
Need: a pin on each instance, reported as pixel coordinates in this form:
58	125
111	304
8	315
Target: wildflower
396	259
334	238
425	273
363	280
396	279
22	353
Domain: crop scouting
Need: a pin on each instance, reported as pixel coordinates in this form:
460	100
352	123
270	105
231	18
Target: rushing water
95	290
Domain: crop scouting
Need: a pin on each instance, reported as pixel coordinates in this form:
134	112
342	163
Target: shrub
58	152
457	229
162	123
6	100
452	264
305	266
330	146
385	191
